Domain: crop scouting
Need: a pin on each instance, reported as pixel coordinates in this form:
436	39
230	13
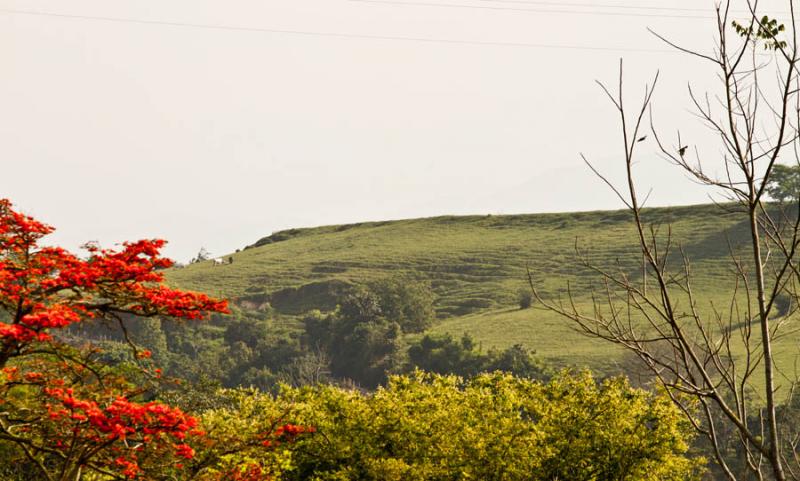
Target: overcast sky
311	112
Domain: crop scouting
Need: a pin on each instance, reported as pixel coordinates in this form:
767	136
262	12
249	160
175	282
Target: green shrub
493	427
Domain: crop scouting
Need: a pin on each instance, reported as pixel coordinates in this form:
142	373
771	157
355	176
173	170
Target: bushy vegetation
444	355
525	298
491	427
372	332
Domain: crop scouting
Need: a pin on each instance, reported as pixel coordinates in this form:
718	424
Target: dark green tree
784	183
517	360
405	301
442	354
360	342
525	298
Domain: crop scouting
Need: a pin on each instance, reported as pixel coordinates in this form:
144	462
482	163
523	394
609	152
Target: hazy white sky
217	136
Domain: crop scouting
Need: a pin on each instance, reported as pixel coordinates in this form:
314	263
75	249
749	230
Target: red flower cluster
128	467
49	288
123	418
293	430
287	432
143	425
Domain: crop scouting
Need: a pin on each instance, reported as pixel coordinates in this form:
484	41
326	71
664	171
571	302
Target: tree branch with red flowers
64	412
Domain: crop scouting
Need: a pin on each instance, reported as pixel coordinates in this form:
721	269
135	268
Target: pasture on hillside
476	266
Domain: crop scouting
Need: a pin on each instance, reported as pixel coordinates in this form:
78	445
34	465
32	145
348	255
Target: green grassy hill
475	264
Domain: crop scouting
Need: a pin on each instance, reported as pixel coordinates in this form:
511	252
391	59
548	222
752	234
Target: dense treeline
374	331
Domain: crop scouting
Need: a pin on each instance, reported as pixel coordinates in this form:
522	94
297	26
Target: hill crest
475	266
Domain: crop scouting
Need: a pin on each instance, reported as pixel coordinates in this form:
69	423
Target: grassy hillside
475	265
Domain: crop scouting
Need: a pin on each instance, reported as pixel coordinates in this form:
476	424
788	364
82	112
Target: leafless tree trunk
716	364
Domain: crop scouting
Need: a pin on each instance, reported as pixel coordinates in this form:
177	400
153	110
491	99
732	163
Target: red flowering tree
65	412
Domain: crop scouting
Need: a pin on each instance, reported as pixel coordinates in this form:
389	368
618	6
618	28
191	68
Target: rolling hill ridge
475	265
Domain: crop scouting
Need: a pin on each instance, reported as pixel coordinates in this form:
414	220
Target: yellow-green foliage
234	438
493	427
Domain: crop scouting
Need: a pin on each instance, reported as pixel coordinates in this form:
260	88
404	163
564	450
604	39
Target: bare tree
717	364
310	369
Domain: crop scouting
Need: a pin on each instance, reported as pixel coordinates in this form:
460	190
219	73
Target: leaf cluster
768	30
